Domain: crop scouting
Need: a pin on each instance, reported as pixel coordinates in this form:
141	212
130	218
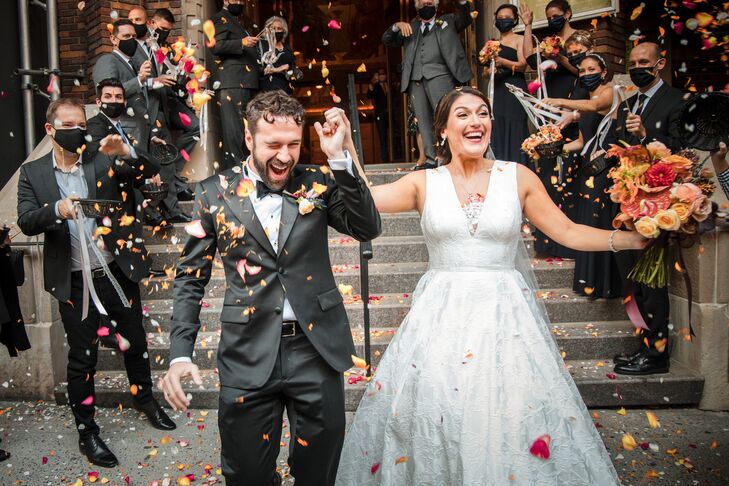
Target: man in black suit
106	255
285	337
377	92
237	69
433	64
651	116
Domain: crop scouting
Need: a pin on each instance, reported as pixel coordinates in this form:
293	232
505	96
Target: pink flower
687	192
701	208
540	447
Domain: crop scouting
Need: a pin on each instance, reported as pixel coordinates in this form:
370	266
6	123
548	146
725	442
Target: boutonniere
441	23
308	200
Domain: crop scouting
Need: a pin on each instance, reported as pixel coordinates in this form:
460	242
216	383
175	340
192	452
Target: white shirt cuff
342	164
58	215
181	359
395	28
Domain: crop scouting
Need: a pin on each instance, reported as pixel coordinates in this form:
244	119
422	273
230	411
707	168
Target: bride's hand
631	240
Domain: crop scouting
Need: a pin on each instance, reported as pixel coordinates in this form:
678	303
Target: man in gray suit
434	63
119	64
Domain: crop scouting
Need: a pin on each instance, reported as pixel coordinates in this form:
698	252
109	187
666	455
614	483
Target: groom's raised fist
171	385
333	133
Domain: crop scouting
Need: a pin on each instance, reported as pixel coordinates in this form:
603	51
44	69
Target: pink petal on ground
194	228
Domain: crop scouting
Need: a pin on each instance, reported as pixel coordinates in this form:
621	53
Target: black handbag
17	265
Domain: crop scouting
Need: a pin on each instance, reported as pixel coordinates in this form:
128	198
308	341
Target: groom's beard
273	172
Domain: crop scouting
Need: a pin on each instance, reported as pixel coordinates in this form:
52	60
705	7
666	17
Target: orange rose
681	165
658	150
647	227
683	211
668	220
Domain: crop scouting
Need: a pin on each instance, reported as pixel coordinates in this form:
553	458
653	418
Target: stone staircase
589	332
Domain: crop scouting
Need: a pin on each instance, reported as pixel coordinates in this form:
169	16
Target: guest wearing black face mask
650	116
47	189
277	75
237	73
434	62
596	274
509	127
653	113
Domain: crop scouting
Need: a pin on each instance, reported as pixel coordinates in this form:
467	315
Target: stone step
384	278
575	340
388	310
679	387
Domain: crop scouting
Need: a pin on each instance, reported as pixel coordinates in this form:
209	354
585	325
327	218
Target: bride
472	390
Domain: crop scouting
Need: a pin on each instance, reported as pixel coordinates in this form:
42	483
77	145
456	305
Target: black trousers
190	134
382	127
250	420
653	304
233	102
83	343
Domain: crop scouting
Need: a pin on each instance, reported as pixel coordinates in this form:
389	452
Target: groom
285	337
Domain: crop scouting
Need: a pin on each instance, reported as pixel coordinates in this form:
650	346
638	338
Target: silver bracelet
610	241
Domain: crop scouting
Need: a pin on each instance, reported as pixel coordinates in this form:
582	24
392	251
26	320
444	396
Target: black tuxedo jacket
112	66
236	66
106	178
252	310
659	117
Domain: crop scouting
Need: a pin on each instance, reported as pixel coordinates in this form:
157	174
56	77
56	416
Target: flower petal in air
185	119
123	342
88	401
194	228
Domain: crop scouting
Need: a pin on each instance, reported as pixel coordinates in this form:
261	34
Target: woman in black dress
276	76
560	82
509	127
596	274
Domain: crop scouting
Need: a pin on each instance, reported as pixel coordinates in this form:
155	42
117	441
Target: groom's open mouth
475	136
277	171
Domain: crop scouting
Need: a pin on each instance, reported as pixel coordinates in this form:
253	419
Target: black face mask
279	36
162	35
556	24
427	12
141	30
70	139
505	25
235	9
576	59
128	47
642	76
113	110
590	81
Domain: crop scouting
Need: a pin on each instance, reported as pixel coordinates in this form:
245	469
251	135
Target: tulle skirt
471	379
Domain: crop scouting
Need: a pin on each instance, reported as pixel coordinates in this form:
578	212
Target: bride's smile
468	130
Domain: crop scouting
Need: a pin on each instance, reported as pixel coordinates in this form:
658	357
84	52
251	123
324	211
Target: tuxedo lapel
653	102
289	214
242	208
49	179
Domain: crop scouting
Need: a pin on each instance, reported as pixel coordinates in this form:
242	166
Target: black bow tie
263	190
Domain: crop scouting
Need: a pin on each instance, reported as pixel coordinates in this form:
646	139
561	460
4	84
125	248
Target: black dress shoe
644	364
179	218
5	455
156	415
626	358
186	195
96	451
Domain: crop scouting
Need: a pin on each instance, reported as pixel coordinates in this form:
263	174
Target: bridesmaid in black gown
596	273
509	128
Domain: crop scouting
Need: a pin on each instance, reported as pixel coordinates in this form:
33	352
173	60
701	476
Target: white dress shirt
268	212
647	95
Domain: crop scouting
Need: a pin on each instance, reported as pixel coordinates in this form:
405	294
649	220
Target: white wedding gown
472	377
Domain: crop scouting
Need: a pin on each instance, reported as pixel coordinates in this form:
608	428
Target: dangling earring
443	140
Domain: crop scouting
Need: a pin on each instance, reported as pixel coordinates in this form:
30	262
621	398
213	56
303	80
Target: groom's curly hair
440	119
271	105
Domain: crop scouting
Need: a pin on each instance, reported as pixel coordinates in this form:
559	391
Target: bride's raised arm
545	215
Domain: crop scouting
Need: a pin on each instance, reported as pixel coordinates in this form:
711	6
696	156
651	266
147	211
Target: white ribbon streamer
539	113
604	126
542	91
85	240
491	84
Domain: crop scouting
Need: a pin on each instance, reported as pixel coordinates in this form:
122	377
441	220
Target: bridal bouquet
666	197
547	141
550	46
489	52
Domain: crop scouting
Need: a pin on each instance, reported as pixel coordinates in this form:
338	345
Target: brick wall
84	37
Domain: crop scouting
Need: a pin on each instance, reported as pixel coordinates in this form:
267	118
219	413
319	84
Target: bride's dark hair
440	118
